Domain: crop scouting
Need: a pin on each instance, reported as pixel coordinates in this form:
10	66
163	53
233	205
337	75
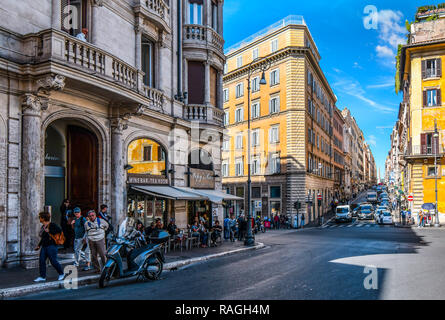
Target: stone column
219	87
56	15
95	17
117	170
32	174
207	83
138	47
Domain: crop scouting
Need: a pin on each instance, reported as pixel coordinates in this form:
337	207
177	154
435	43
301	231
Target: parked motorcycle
145	261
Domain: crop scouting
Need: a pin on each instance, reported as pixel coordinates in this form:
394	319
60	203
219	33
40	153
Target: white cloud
372	140
350	86
391	33
384	51
357	66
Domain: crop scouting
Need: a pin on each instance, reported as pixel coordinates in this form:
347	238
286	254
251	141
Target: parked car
343	213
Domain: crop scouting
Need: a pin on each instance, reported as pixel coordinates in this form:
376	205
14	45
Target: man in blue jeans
48	247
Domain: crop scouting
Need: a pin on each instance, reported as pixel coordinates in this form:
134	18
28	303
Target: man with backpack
95	229
51	236
79	239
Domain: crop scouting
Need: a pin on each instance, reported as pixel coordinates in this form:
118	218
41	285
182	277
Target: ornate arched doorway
71	166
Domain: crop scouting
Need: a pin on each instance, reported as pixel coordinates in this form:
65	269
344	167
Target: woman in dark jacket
65	209
48	247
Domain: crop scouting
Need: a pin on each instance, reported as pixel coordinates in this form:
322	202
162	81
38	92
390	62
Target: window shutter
278	160
423	69
425	101
423	145
439	67
439	98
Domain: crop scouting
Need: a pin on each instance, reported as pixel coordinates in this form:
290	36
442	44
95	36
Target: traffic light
297	205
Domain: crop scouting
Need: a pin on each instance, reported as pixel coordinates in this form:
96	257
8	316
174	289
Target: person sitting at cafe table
149	229
172	228
195	229
216	232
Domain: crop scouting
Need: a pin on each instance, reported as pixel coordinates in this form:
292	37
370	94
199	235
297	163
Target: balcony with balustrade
84	64
204	114
203	37
156	11
414	151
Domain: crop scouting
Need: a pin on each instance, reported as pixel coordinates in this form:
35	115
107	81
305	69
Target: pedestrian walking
95	229
65	214
420	219
302	220
403	217
80	240
50	236
226	228
103	214
276	221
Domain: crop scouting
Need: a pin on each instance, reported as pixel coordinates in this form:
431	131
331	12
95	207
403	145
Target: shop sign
133	178
202	179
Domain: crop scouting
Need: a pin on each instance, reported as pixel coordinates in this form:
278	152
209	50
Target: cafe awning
214	196
168	192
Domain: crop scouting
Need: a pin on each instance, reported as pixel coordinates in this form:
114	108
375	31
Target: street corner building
297	132
98	103
415	161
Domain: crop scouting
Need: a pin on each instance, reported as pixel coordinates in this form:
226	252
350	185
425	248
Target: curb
82	281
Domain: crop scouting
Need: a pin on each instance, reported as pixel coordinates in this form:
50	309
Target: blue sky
358	62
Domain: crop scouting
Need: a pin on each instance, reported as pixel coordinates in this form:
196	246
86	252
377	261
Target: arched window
200	159
146	157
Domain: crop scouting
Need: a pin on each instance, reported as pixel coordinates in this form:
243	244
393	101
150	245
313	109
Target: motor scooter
145	261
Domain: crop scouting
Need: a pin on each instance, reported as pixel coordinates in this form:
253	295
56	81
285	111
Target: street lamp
258	64
436	146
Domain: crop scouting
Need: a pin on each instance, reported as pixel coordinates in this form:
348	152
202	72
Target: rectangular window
275	77
256	192
256	165
239	114
432	98
256	137
226	118
239	61
239	167
255	84
225	169
255	110
195	12
239	90
239	141
254	53
274	134
147	153
431	68
226	145
148	64
215	17
226	95
274	45
225	68
432	172
275	192
274	105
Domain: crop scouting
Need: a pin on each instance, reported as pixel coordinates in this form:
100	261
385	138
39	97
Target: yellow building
421	79
291	123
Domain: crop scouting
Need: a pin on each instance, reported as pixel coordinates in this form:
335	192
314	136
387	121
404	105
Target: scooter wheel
105	276
154	275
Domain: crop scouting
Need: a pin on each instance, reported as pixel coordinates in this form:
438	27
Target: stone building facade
289	115
70	108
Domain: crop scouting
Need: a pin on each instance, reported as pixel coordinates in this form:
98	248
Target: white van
343	213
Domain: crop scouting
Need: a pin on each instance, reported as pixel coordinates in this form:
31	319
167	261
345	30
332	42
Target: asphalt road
317	263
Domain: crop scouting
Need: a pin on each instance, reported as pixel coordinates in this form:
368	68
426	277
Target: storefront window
146	157
275	208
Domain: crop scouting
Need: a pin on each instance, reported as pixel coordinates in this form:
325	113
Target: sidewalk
18	281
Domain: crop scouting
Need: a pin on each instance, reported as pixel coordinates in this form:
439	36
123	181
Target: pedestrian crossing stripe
356	225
